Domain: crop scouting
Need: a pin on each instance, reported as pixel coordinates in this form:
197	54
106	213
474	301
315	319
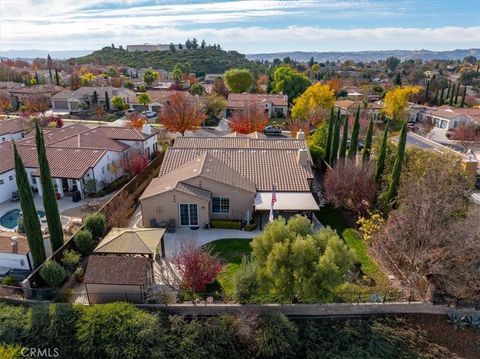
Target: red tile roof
6	243
238	100
13	126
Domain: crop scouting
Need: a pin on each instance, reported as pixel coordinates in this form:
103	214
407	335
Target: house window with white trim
10	178
2	181
220	205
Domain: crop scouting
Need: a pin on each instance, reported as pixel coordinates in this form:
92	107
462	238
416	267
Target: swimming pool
10	219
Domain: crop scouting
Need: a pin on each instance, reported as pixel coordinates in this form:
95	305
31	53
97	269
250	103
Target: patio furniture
171	226
153	223
163	224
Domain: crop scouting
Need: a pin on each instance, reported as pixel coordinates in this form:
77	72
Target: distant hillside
206	60
366	56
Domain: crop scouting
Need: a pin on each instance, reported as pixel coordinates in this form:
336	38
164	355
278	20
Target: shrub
245	281
10	280
53	274
70	260
13	323
277	337
10	351
84	242
95	223
251	227
226	224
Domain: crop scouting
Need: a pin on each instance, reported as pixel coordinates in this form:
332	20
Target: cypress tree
37	82
352	150
398	79
57	78
33	230
463	96
397	167
427	90
95	98
343	145
448	91
452	93
442	93
457	93
48	194
331	124
335	142
382	155
435	100
107	101
368	143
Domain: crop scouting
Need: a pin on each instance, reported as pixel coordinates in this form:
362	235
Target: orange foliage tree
5	105
181	114
296	125
135	120
252	118
335	84
35	104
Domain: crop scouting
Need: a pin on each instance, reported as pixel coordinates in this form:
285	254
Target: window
2	181
3	139
188	214
10	178
34	180
220	205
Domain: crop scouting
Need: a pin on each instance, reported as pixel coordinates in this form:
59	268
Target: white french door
188	214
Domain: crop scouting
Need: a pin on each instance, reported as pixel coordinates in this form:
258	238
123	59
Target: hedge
225	224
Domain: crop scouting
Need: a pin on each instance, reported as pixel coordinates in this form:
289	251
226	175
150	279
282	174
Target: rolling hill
207	60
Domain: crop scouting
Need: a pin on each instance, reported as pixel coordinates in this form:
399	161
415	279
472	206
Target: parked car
360	145
272	130
149	114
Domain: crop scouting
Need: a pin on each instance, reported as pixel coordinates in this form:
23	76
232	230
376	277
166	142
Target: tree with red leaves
297	125
35	104
197	267
466	134
5	105
252	118
135	120
350	186
135	163
181	113
54	121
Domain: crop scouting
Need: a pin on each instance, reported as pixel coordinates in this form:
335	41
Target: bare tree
432	235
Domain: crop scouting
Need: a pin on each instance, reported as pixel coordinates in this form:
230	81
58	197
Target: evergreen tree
448	92
464	93
452	93
57	78
37	81
398	80
48	193
382	155
107	101
352	150
49	65
427	91
31	222
442	93
95	98
435	100
331	124
457	93
335	141
397	167
368	143
343	145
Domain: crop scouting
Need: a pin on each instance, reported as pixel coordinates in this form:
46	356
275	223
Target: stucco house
77	155
444	119
274	105
84	97
15	252
118	278
208	178
13	130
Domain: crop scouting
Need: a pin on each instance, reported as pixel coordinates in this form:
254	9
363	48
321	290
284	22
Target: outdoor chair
171	226
153	223
15	196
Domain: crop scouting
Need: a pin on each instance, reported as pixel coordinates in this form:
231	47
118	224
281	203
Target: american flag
271	217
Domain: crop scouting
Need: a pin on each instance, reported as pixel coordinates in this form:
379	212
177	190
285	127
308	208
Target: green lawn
230	251
345	227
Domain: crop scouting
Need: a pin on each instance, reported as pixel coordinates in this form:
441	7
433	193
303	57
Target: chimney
300	135
302	156
147	129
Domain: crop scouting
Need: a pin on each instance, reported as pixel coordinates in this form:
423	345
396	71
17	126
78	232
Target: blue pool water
10	219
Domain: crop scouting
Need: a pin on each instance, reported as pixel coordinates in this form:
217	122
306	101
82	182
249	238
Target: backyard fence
132	190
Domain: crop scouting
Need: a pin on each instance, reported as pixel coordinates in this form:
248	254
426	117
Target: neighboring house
348	108
15	253
68	100
13	130
77	155
210	78
118	278
20	93
207	178
354	94
444	119
472	113
274	105
416	112
150	47
133	241
158	99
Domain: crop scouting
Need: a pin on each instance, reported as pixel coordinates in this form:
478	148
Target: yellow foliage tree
314	103
396	101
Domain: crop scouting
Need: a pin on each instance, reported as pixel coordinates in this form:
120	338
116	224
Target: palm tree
144	99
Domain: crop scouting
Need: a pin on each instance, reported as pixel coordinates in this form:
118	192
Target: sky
246	26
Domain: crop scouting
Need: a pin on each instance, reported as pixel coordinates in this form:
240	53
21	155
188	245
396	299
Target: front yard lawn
230	251
338	220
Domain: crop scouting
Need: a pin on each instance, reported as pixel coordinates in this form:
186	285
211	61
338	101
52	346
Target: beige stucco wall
166	206
240	200
102	293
